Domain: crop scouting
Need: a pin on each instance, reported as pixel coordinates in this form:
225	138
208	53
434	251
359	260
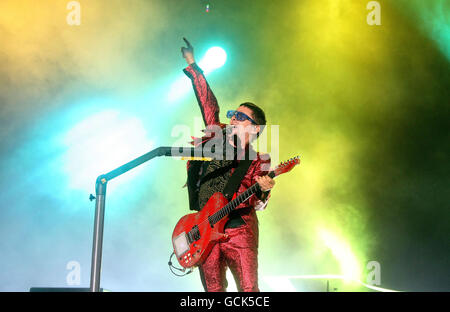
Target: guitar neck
225	210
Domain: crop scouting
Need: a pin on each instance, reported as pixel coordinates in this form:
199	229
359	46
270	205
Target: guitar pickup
195	233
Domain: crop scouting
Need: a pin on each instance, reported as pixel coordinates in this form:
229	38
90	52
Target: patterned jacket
210	113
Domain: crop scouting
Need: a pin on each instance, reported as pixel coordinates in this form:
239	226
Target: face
245	130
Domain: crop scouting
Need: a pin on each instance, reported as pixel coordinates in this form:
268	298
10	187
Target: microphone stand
100	198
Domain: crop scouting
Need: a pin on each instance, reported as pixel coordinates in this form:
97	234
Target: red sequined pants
240	254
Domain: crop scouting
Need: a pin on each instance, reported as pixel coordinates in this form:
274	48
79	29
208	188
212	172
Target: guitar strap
236	178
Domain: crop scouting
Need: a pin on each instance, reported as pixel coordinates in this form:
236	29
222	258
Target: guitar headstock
286	166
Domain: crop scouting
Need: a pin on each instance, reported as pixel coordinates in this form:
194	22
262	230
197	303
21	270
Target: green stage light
214	58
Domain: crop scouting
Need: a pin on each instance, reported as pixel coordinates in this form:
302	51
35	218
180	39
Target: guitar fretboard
225	210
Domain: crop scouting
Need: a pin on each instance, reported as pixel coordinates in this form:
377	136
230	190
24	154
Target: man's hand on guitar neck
266	183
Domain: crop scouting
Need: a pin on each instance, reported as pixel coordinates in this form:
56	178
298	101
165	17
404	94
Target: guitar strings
230	206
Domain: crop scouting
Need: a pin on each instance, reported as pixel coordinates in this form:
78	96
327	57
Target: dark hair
258	115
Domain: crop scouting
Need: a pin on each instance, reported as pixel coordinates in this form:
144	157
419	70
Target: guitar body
195	234
193	253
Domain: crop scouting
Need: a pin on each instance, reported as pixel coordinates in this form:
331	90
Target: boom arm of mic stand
100	189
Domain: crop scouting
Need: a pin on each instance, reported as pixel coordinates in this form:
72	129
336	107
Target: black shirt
212	176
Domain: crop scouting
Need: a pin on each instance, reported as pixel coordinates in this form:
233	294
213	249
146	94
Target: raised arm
205	97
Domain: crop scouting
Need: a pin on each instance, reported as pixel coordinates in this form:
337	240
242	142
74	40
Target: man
240	251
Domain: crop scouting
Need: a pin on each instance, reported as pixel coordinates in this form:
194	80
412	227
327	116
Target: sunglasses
239	116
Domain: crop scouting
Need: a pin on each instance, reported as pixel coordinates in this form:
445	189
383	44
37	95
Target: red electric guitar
196	233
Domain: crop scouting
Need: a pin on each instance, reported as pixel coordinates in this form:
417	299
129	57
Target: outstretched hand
188	52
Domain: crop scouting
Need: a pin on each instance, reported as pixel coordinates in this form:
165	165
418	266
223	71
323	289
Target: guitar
196	233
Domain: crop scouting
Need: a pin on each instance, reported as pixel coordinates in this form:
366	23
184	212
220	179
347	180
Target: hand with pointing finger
188	53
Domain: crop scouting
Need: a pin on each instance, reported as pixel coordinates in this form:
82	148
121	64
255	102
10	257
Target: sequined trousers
239	253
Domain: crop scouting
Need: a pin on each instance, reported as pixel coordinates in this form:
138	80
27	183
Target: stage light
214	58
283	283
343	254
101	143
279	283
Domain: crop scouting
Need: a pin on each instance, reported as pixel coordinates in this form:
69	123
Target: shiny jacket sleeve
260	199
259	167
205	97
206	100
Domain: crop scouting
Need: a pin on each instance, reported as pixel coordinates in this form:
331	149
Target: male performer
240	251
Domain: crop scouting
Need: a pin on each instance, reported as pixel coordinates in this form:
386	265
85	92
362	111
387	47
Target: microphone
226	143
228	130
228	133
232	142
